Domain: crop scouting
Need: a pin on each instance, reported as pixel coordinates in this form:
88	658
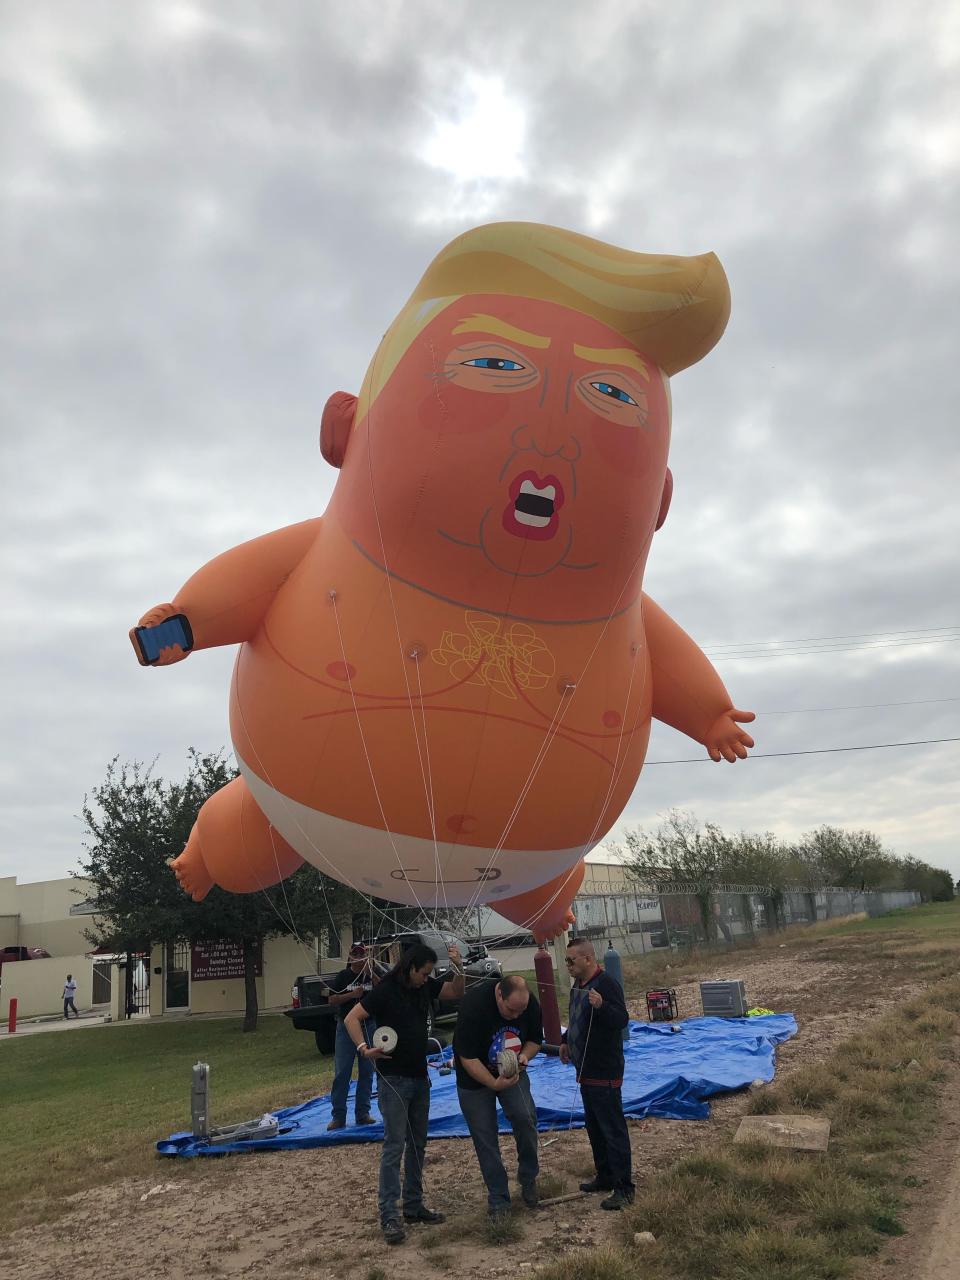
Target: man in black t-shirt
494	1017
350	985
402	1001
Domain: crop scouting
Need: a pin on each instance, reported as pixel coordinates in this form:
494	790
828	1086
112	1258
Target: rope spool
507	1064
385	1038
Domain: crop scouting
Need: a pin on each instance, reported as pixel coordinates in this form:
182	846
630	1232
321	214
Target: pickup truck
311	1011
10	954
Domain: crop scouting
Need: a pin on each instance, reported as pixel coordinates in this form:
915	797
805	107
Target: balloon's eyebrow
613	355
496	328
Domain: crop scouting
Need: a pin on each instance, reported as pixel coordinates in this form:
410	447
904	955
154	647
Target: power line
856	635
792	653
815	751
857	706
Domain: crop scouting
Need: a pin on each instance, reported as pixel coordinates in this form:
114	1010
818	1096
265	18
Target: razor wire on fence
686	915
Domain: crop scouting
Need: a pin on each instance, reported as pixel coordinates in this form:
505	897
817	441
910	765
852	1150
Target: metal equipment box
724	999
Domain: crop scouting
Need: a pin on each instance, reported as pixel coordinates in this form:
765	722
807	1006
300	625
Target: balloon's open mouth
534	503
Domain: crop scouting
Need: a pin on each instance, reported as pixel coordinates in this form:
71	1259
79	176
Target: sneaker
336	1124
595	1185
530	1194
500	1213
367	1119
424	1214
393	1232
617	1200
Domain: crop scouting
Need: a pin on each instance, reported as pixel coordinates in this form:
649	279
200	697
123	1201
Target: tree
932	884
680	850
135	823
849	859
766	862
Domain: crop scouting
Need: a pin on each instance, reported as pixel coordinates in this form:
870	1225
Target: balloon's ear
665	498
336	425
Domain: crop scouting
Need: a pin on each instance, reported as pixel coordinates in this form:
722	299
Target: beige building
605	877
51	915
175	979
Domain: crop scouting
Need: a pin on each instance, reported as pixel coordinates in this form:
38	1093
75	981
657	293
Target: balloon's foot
190	870
545	911
548	932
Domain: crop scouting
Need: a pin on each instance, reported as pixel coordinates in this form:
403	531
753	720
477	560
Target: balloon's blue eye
493	362
608	389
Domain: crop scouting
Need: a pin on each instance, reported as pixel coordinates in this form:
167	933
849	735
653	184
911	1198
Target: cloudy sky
211	212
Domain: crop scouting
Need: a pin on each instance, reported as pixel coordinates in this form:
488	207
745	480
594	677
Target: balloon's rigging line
427	783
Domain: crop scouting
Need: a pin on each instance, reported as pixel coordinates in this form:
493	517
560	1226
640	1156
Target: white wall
38	985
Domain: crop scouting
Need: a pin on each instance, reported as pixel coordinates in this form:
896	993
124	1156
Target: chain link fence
682	915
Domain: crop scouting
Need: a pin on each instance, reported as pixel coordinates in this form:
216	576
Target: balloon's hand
595	998
153	618
564	1055
726	740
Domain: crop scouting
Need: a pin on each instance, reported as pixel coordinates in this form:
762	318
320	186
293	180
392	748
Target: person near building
361	975
593	1043
403	1001
69	996
494	1018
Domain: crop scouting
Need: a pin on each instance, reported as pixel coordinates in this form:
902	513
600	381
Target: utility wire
856	635
815	751
856	706
859	648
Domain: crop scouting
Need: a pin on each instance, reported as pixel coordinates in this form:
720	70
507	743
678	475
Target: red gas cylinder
547	986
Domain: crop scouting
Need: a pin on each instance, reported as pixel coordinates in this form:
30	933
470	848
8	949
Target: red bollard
547	986
12	1023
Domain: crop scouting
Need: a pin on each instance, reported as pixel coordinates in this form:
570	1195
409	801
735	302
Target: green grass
85	1107
739	1211
734	1212
595	1264
933	918
81	1108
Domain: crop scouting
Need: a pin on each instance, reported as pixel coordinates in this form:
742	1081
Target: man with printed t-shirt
402	1001
350	985
494	1017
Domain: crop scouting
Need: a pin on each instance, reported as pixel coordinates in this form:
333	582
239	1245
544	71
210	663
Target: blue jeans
479	1107
344	1056
609	1139
405	1108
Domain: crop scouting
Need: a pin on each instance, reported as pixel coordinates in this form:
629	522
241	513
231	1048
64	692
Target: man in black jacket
593	1043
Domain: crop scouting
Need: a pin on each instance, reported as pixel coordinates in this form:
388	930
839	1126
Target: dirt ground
313	1213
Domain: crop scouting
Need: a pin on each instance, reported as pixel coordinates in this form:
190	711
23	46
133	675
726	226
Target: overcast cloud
211	212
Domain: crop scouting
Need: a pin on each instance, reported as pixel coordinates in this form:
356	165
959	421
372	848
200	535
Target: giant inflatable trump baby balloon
444	686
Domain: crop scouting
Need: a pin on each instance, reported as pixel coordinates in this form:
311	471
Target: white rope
614	778
564	698
427	782
338	872
363	742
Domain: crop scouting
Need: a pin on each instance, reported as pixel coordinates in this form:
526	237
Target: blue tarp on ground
667	1074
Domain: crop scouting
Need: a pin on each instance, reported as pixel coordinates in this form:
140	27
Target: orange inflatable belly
341	702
